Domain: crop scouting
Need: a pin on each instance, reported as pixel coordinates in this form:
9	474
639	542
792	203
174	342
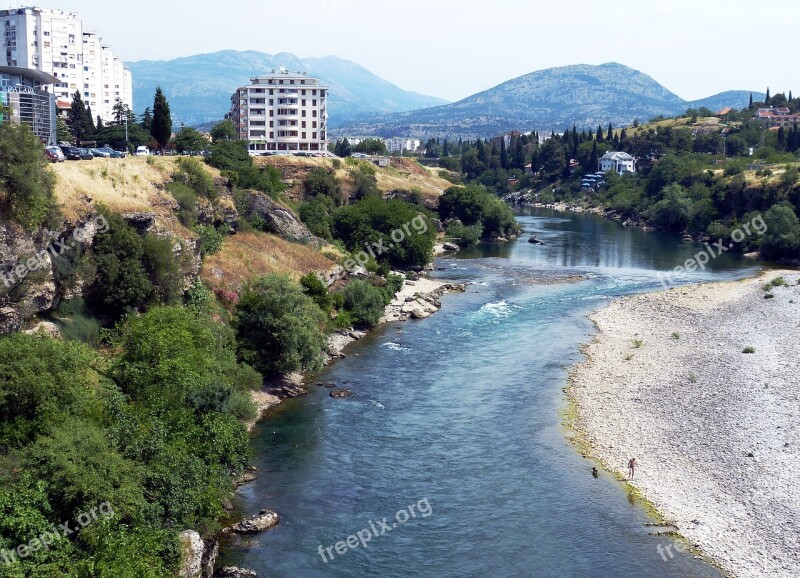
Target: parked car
72	153
54	154
142	151
86	154
100	153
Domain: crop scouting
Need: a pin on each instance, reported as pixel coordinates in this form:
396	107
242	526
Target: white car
142	151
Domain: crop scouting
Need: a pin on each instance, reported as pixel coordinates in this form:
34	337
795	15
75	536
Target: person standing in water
632	468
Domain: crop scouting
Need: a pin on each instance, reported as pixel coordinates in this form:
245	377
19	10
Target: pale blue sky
453	48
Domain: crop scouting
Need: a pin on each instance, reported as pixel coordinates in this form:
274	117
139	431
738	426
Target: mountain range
551	99
199	87
361	103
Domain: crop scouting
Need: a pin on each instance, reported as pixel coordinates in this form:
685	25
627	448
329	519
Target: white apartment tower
281	111
56	42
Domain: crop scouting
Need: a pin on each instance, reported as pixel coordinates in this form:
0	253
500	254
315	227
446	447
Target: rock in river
265	520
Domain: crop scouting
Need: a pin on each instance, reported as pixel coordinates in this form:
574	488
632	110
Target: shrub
120	282
26	182
211	239
465	235
279	327
317	290
318	182
373	221
162	268
317	216
192	174
187	203
749	349
364	302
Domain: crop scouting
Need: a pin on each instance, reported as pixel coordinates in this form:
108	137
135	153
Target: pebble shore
715	430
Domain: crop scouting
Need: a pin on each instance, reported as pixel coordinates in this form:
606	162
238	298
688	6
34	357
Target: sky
454	48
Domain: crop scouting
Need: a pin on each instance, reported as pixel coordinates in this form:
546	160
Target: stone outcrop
261	522
281	221
234	572
199	556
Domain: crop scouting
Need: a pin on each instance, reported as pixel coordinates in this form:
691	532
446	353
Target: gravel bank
716	431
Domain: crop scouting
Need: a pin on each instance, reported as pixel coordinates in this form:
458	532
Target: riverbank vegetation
143	403
701	174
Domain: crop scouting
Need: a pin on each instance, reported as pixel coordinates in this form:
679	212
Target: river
460	415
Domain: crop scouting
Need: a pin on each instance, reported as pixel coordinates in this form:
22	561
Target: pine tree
162	119
519	154
79	123
147	119
99	123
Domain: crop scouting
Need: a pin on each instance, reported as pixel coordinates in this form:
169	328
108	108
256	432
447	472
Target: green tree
146	121
78	119
364	302
162	119
278	327
319	181
224	130
190	140
782	237
26	181
343	148
63	134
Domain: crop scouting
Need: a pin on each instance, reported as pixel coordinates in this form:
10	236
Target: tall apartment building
281	112
56	42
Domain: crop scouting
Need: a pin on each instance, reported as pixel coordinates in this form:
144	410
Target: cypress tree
790	96
610	134
77	119
599	135
781	139
99	123
766	99
750	106
162	119
504	155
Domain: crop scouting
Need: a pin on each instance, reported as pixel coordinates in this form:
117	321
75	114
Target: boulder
451	247
339	393
192	560
140	221
261	522
48	328
281	221
234	572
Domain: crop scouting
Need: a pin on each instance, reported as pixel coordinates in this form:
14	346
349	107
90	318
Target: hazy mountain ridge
550	99
199	87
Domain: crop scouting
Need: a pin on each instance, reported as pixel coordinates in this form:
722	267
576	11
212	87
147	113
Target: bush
372	221
162	268
120	282
232	158
210	239
192	174
279	327
317	290
364	302
187	203
26	182
473	205
317	214
465	235
319	182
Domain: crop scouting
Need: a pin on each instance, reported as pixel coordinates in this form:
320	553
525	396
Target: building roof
37	75
616	156
725	111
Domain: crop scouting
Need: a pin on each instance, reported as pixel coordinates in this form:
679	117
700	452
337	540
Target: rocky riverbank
700	385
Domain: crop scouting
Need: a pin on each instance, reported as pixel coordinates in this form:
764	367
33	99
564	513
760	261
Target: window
314	102
314	113
304	135
304	91
303	125
314	135
272	135
314	124
304	114
304	102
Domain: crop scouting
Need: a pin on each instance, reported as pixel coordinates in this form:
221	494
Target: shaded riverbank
714	429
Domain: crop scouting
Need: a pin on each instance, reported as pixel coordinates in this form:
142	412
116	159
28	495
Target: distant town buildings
56	42
619	162
26	94
776	117
394	145
281	111
400	144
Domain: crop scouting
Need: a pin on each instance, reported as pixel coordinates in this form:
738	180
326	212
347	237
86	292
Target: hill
199	87
550	99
